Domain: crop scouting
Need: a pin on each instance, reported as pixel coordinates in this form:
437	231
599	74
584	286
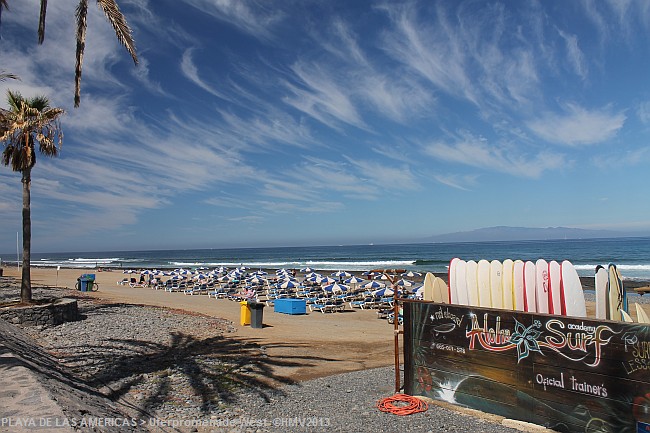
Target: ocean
631	255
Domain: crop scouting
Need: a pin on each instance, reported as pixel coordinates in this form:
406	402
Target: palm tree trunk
26	283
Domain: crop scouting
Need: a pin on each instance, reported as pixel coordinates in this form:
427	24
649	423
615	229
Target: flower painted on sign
425	381
526	339
641	408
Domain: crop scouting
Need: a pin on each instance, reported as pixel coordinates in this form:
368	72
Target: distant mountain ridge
506	233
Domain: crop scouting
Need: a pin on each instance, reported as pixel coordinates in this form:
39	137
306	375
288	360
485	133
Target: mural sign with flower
567	374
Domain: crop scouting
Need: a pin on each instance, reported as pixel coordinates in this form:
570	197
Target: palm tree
115	18
28	121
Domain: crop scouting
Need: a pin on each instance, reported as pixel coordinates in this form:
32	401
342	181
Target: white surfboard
571	287
625	317
483	280
453	291
641	315
542	286
461	283
440	291
427	294
471	276
555	276
600	283
530	304
616	293
496	283
506	274
518	284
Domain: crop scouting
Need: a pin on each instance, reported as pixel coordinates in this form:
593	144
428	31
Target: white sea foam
315	264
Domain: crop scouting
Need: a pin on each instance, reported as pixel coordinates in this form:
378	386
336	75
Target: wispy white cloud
191	72
320	95
575	56
462	182
578	126
643	111
254	18
473	151
141	73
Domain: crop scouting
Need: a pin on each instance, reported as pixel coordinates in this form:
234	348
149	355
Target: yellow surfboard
428	287
440	291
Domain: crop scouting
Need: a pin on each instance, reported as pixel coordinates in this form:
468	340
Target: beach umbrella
383	292
404	283
336	287
306	270
256	280
411	274
200	277
146	272
326	280
129	271
341	274
373	285
353	280
288	284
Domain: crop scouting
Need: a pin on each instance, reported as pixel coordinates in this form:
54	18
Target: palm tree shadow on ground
215	369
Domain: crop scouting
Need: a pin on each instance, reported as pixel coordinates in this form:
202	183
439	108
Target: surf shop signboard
567	374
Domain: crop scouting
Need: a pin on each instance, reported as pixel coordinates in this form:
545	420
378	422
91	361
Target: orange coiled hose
407	405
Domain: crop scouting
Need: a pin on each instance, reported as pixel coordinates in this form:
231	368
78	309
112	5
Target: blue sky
261	123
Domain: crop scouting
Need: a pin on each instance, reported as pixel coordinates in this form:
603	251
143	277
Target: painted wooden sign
567	374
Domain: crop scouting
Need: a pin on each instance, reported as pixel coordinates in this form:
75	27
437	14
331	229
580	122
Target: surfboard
453	290
483	282
571	290
542	292
428	287
600	282
506	274
616	294
530	304
641	315
471	276
518	284
461	282
440	291
555	303
496	284
625	317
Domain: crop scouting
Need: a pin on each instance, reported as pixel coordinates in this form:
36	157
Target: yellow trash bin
244	313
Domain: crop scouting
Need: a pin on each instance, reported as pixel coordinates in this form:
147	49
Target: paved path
25	404
36	394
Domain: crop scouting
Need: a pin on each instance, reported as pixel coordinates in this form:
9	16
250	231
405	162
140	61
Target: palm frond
41	22
82	24
6	76
3	5
122	29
